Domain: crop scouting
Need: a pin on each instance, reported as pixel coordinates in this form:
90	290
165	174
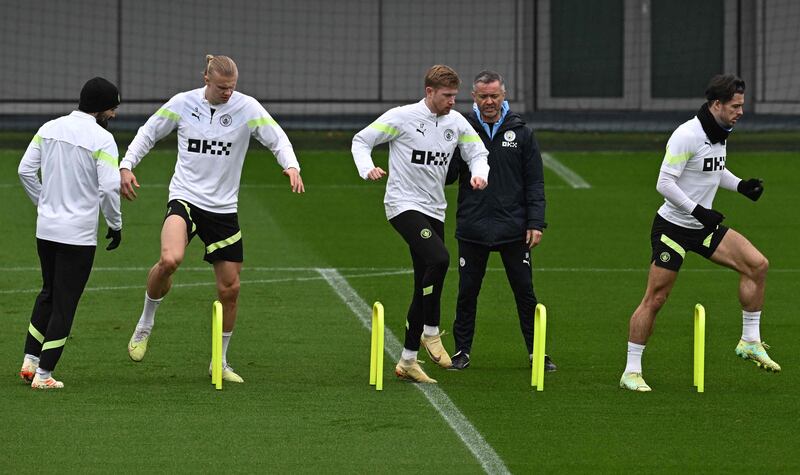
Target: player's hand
376	174
116	237
533	237
295	180
709	218
127	182
478	183
751	188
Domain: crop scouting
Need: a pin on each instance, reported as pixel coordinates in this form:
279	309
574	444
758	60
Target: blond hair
222	65
440	75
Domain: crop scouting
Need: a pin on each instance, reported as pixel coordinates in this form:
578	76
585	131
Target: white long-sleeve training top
80	176
212	144
692	170
421	145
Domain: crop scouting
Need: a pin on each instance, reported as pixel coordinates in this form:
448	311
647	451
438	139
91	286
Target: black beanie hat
98	95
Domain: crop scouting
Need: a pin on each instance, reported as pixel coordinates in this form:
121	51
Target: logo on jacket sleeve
509	139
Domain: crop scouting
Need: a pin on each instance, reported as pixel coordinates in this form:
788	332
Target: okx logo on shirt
421	157
711	164
210	147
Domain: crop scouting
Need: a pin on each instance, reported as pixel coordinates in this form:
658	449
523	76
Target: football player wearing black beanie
100	98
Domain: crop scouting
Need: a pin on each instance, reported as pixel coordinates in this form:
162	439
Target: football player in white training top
694	167
422	138
78	161
214	125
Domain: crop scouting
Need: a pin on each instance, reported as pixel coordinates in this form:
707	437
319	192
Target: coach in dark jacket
508	216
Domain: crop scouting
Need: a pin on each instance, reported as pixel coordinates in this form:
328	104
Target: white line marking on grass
389	270
364	272
573	179
210	269
476	444
212	283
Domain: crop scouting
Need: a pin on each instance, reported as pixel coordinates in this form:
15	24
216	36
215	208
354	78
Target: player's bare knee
759	270
168	264
229	292
656	300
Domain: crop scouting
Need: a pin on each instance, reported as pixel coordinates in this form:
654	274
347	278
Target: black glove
751	188
116	237
709	218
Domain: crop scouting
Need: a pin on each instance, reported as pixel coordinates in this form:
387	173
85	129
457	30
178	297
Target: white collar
83	115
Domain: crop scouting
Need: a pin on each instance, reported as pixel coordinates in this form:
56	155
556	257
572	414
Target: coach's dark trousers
65	270
472	268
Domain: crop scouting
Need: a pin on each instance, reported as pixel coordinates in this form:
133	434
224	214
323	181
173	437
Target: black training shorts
670	242
219	231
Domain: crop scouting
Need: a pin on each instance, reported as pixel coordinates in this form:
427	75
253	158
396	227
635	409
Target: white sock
751	322
409	355
226	338
428	330
634	358
43	373
32	359
148	317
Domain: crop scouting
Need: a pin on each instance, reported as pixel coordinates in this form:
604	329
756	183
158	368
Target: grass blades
306	405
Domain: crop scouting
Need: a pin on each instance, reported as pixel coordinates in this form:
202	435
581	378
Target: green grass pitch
306	405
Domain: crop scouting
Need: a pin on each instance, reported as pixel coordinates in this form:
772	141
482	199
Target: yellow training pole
216	344
699	347
376	348
539	333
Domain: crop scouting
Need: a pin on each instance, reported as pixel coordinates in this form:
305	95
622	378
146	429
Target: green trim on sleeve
106	157
677	158
673	245
37	139
54	344
168	114
224	243
469	138
36	334
385	128
253	123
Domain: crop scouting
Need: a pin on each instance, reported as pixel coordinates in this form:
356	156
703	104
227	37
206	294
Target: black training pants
472	267
65	270
430	258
